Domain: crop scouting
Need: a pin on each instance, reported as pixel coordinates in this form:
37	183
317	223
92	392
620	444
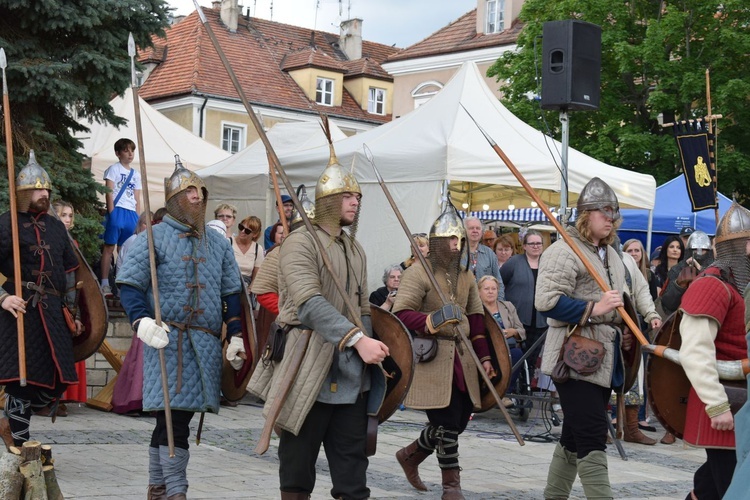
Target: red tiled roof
256	52
310	57
366	67
460	35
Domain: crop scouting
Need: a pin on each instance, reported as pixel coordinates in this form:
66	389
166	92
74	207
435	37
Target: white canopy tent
439	142
162	140
243	179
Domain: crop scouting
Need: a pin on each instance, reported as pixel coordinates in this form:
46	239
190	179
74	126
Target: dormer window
324	91
495	16
376	101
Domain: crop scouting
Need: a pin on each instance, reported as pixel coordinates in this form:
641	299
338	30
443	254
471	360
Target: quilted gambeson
46	255
193	275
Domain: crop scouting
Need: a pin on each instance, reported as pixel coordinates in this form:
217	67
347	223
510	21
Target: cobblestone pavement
103	456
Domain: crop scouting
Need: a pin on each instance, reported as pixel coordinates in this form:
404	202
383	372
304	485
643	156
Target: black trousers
180	429
342	429
455	416
585	425
712	479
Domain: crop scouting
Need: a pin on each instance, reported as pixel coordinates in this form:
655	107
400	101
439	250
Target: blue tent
672	212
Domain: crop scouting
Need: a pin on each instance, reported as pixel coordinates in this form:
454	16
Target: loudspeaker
571	65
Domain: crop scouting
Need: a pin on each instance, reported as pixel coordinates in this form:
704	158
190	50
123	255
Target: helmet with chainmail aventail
597	195
332	184
307	205
31	177
175	196
731	238
449	224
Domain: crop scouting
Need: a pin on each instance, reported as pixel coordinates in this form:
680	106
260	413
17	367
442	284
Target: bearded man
447	387
48	264
713	328
199	289
338	384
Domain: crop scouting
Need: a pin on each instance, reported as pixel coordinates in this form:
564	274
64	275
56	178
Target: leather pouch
425	349
274	350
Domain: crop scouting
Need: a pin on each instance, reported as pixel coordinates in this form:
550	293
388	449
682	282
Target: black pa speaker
571	65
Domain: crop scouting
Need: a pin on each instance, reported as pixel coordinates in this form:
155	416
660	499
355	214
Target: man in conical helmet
699	254
48	265
338	383
447	386
712	328
199	289
573	303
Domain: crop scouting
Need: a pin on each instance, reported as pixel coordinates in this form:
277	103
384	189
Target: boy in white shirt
123	205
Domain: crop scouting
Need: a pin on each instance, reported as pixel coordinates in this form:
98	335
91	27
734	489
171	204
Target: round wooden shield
234	382
500	361
668	385
399	365
93	307
632	357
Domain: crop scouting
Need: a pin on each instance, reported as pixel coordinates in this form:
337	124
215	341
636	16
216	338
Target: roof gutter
200	123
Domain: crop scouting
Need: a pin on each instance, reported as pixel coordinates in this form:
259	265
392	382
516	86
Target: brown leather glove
686	276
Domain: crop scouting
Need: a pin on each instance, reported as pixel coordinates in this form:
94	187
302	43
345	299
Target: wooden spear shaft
277	193
712	153
14	223
443	298
558	227
151	250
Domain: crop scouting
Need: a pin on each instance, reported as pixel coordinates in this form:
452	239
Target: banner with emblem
695	145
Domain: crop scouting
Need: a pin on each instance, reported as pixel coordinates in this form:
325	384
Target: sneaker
107	291
556	407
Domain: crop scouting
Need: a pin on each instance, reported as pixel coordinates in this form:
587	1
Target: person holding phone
385	296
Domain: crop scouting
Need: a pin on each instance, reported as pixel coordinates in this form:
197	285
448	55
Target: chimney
350	39
216	4
230	13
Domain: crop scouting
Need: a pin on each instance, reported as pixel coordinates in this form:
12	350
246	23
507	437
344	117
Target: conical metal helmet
182	179
698	240
335	179
734	225
307	205
597	195
33	176
449	224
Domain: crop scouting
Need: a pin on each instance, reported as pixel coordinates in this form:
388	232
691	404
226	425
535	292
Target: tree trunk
33	481
30	451
11	480
50	481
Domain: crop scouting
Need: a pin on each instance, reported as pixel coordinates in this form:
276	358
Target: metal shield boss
399	366
500	355
234	382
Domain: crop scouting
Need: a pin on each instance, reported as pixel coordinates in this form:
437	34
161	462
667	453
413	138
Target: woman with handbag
581	315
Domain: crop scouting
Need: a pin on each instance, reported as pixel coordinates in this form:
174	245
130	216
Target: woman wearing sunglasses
248	252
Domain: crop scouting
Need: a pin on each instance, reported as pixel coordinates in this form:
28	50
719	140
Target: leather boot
5	433
288	495
594	475
410	458
562	473
157	492
668	438
632	433
177	496
452	484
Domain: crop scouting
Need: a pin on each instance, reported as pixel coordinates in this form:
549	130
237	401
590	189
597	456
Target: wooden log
50	481
103	399
114	359
47	455
30	451
15	450
33	481
11	480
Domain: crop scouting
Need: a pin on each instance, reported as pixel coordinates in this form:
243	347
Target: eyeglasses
534	244
224	216
245	230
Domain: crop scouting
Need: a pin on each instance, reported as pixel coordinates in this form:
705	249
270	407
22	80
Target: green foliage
66	60
654	58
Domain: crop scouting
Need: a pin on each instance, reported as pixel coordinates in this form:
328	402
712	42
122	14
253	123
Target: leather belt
39	291
184	327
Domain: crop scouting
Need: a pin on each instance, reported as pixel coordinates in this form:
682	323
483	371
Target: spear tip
3	60
131	45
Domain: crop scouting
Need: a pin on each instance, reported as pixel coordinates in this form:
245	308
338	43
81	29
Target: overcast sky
399	22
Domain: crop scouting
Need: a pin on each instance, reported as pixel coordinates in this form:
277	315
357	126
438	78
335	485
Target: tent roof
162	139
439	141
673	211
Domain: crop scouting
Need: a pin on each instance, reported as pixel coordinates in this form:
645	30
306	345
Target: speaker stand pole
564	213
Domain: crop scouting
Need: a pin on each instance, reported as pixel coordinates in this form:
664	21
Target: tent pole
648	233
